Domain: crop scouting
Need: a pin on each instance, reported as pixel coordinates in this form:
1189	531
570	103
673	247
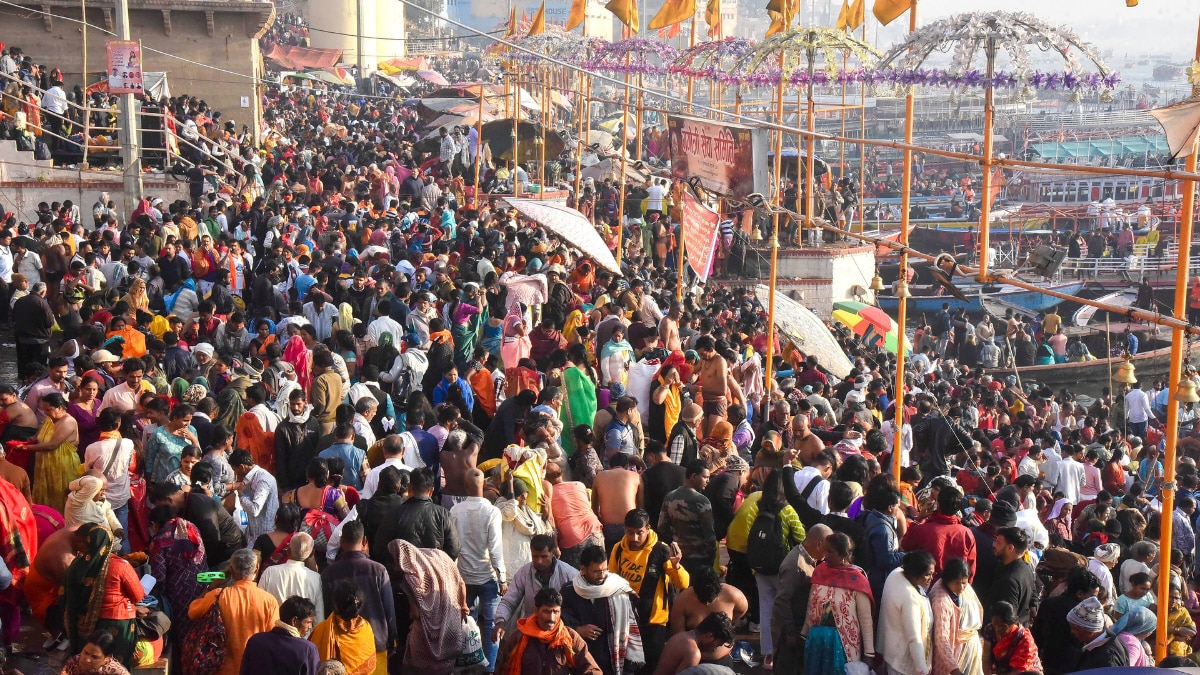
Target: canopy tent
611	168
807	332
393	66
1181	122
498	136
299	58
402	81
569	224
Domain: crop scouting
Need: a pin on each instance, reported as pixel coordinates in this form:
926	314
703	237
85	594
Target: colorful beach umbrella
870	323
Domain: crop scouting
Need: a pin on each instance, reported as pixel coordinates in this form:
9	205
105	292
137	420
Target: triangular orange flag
539	22
672	12
626	12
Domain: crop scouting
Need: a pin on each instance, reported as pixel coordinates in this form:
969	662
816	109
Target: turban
194	394
1108	554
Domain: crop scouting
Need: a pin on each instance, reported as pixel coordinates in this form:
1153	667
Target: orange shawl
554	638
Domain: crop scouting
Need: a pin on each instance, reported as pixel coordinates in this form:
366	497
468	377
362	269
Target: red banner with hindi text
700	232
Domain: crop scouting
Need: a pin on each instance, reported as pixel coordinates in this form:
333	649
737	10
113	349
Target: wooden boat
1089	377
1028	301
1084	314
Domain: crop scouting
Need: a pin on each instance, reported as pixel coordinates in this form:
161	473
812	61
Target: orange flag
712	16
626	12
578	14
888	11
672	12
858	12
539	22
843	20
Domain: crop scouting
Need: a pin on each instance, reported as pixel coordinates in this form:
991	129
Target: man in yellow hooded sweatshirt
649	566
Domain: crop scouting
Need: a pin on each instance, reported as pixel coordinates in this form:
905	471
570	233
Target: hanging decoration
645	57
710	59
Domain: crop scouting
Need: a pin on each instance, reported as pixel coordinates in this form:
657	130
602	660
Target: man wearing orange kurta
245	608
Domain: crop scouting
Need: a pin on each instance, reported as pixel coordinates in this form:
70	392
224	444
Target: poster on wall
700	231
731	159
124	66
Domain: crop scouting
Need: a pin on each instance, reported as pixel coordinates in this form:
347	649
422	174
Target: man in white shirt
6	272
320	314
393	455
111	458
55	104
481	559
821	470
293	577
1070	474
124	396
655	194
384	324
1138	411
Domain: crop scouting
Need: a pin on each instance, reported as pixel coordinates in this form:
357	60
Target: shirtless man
709	642
714	382
705	596
22	421
50	565
668	328
616	492
805	441
458	457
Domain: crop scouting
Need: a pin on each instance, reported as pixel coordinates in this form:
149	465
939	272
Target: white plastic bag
472	645
239	513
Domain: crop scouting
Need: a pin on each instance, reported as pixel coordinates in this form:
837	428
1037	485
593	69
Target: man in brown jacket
326	390
543	645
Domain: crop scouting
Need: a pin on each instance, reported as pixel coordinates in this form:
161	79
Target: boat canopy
1097	149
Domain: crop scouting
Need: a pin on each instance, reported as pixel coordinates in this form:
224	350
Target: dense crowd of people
345	411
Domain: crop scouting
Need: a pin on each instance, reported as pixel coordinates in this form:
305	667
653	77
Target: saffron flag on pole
578	14
843	21
888	11
672	12
626	12
700	230
858	14
538	26
712	16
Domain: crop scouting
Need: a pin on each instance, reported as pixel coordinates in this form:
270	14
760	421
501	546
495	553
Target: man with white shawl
599	606
1101	562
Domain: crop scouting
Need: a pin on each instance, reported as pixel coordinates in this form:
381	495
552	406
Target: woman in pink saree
299	355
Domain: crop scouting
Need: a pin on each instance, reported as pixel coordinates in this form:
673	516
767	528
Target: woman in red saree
841	588
1012	647
18	546
297	354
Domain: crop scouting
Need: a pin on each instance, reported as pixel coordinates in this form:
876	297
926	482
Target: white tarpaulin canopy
569	224
807	332
1182	124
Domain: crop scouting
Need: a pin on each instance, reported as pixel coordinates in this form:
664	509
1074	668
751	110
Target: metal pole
902	279
810	161
1178	340
985	205
582	110
516	132
130	143
362	28
87	115
546	117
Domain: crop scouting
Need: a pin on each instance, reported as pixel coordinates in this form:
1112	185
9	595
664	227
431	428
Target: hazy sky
1155	26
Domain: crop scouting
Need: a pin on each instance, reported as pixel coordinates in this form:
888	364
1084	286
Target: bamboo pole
516	133
582	112
809	161
680	249
547	116
478	147
985	204
862	149
1178	340
86	102
692	43
769	365
637	143
623	150
902	279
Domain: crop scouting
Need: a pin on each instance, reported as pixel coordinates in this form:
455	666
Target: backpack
204	650
42	151
765	548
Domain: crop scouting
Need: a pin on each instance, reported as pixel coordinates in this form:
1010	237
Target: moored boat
1029	301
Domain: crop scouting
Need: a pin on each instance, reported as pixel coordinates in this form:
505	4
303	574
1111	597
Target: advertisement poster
124	66
700	231
731	159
